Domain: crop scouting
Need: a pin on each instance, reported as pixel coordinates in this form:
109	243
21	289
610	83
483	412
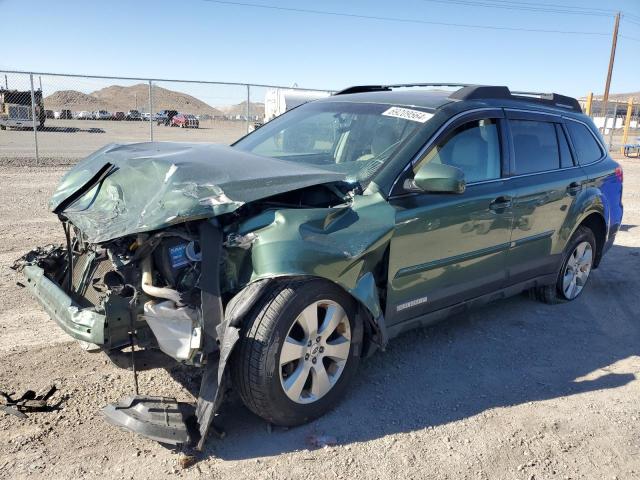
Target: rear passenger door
546	180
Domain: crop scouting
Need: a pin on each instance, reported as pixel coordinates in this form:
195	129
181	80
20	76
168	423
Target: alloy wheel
315	351
577	270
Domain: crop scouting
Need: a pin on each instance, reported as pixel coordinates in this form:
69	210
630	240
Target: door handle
500	203
574	188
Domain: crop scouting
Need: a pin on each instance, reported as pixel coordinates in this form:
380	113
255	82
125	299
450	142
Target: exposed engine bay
170	289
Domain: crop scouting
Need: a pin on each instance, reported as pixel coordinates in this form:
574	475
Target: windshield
354	139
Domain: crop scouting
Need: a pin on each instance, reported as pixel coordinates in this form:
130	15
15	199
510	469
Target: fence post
248	105
615	115
627	124
588	105
33	117
150	111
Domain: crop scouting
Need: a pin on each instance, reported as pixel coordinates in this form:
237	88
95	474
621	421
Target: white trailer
279	100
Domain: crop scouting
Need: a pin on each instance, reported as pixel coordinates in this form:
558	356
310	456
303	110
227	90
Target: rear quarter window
587	148
535	146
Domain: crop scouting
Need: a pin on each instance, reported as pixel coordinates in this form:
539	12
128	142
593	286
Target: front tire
298	351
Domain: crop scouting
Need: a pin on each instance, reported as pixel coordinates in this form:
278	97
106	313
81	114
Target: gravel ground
514	390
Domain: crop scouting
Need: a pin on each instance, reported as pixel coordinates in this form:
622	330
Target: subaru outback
277	263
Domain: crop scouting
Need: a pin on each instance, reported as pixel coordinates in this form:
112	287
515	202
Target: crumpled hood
127	189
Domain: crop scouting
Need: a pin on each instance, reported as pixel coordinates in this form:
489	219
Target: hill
116	98
617	96
72	100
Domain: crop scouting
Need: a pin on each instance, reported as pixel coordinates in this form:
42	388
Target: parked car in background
64	114
146	116
84	115
118	116
101	115
49	113
164	117
185	120
133	116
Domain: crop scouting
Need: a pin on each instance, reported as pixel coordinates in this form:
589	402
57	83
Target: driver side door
447	247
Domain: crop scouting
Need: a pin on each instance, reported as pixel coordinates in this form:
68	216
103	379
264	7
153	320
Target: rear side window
565	152
535	145
585	144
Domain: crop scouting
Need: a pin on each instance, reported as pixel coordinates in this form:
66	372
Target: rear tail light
619	174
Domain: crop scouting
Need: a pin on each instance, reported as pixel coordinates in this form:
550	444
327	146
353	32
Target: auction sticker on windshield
408	114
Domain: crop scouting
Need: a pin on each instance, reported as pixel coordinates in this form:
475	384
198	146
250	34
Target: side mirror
440	178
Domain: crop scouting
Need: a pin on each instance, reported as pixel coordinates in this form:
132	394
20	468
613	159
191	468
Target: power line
542	4
537	8
631	21
630	38
402	20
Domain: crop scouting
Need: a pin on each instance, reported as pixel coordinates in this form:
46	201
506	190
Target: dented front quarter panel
343	244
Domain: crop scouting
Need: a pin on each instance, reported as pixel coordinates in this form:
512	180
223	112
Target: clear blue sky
196	39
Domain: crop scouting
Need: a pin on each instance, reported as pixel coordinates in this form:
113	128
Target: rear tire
292	364
580	250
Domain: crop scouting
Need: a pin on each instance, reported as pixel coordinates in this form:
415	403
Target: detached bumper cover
81	323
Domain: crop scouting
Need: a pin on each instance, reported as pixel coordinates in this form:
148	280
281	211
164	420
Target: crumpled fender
342	244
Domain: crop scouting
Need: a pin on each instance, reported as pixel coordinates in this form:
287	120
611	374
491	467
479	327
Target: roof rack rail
386	88
478	92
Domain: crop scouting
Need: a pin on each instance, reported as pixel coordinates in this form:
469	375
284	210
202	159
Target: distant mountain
617	96
117	98
71	99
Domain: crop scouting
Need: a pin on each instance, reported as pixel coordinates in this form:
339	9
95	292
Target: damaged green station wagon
277	263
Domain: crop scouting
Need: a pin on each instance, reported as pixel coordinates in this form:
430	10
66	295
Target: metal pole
612	58
589	104
615	113
33	117
248	105
40	80
150	111
627	124
6	83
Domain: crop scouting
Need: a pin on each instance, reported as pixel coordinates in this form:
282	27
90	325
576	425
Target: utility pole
612	57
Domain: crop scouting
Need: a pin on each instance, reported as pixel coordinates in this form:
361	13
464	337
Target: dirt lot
66	141
515	390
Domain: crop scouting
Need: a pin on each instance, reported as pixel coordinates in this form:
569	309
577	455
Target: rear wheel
577	263
296	354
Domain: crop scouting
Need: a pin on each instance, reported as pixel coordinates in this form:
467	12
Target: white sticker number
408	114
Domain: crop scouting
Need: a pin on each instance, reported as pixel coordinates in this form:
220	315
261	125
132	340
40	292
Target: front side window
536	146
473	147
355	139
587	148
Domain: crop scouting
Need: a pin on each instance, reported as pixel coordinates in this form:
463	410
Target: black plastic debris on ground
29	401
162	419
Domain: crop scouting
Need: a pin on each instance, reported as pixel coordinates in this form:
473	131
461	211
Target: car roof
432	96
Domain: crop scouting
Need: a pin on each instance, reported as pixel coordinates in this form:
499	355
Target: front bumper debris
81	323
162	419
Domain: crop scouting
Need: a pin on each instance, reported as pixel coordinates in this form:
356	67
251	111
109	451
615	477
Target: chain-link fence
56	118
618	121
